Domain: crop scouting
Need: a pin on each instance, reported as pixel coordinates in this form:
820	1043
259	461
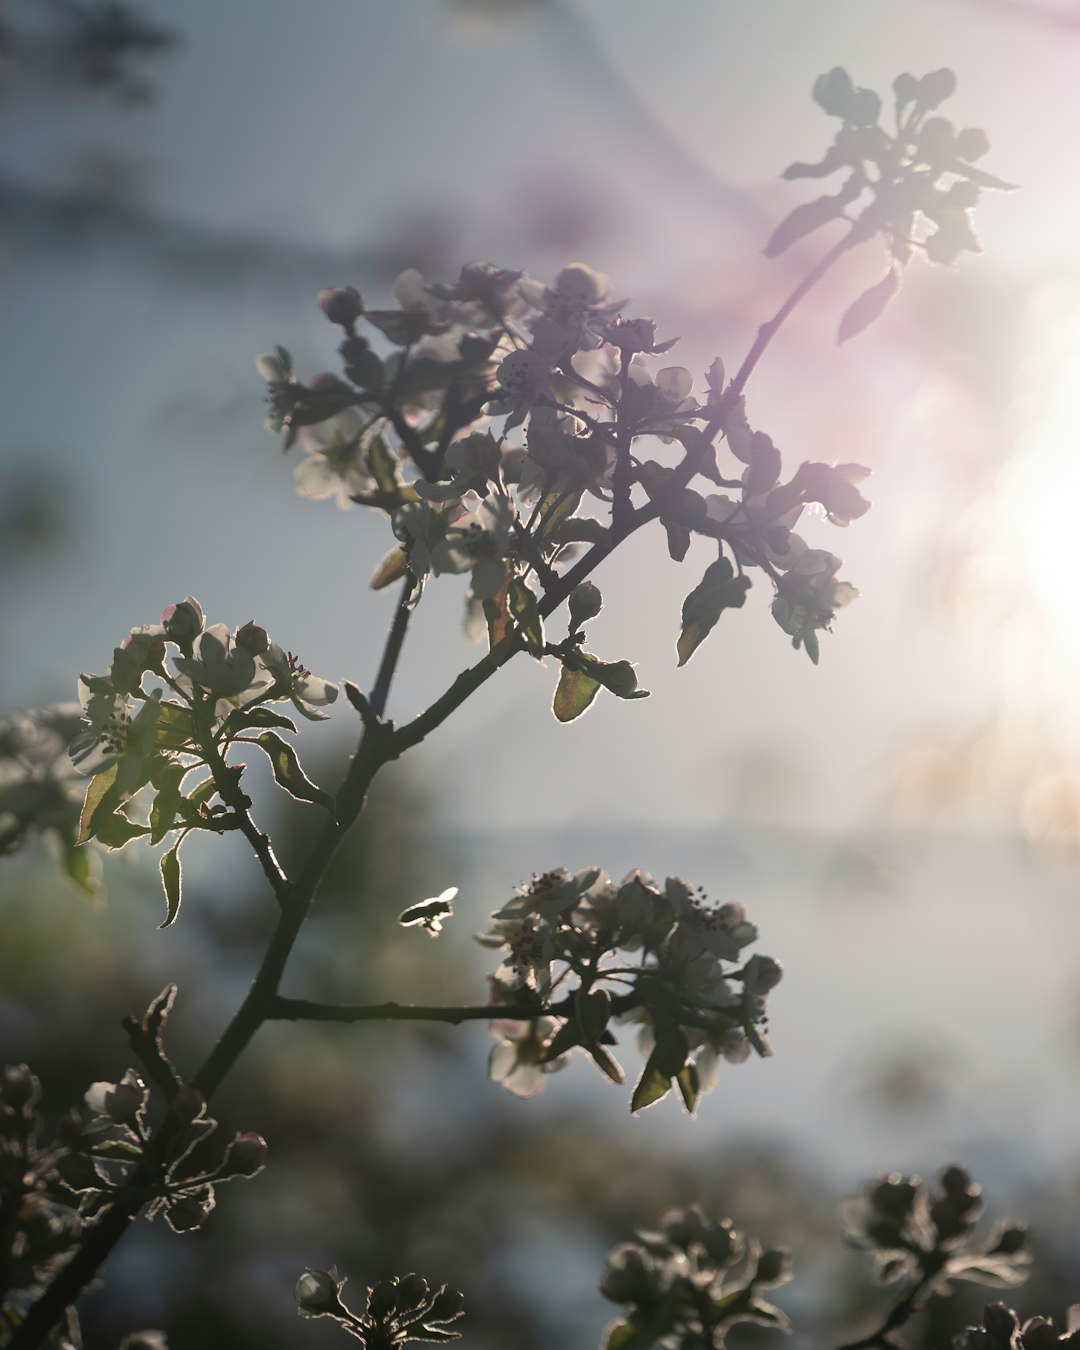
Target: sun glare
1039	488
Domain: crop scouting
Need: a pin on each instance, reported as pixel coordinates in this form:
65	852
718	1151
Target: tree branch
304	1010
392	651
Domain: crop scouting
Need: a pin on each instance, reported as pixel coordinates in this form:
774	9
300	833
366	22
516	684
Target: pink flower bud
341	304
185	621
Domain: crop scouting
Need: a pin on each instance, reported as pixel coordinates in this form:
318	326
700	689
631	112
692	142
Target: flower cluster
1001	1329
396	1311
925	1234
511	423
921	181
40	791
52	1187
177	697
41	1228
690	1281
581	953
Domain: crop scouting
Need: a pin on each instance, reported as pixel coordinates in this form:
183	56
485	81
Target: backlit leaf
170	880
573	694
289	774
869	306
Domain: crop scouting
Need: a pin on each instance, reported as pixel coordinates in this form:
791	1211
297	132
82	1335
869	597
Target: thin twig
899	1314
227	782
392	651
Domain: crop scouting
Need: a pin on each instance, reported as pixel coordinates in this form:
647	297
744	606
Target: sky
293	147
654	142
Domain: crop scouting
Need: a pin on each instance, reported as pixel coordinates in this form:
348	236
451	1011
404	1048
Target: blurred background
176	183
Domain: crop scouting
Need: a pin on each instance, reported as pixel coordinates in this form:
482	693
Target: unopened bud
447	1305
145	1340
629	1276
906	88
1000	1322
252	638
683	1227
936	87
78	1173
773	1267
317	1292
341	304
958	1186
723	1242
1040	1333
187	1106
183	622
894	1195
383	1299
412	1291
189	1212
586	602
763	973
118	1102
245	1156
18	1086
972	143
618	677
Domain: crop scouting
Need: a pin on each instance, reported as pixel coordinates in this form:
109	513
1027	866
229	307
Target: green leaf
383	464
96	790
869	306
243	718
202	794
652	1086
666	1062
174	730
82	866
689	1085
116	830
620	1336
678	538
522	602
170	880
573	694
289	774
719	589
617	677
119	1149
593	1012
497	614
559	505
567	1036
167	802
607	1064
802	221
671	1050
